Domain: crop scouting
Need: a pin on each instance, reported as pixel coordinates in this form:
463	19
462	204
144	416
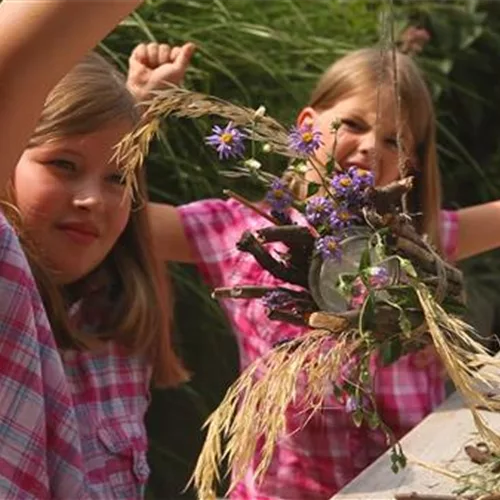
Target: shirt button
141	467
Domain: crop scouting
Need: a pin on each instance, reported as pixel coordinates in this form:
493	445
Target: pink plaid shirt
40	455
315	462
71	430
111	395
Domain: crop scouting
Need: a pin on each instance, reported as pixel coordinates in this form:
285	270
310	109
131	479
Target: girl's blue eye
117	179
352	124
392	142
63	164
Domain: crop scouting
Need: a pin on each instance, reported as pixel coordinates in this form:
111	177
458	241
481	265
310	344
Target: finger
188	50
164	54
153	51
183	57
139	53
174	53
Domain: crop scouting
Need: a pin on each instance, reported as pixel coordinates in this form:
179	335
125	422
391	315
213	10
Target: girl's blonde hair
367	70
128	293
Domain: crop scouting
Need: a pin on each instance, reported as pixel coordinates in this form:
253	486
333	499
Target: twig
296	318
387	197
431	496
254	292
289	235
385	322
427	260
250	205
249	243
298	239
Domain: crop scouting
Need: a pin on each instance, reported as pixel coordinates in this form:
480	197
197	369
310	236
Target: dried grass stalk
462	355
176	101
255	406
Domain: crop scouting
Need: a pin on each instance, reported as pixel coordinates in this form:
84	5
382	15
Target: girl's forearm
478	229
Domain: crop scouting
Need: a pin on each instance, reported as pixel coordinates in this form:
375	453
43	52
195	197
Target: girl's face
363	139
72	200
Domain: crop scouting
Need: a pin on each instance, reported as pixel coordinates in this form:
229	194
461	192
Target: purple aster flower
361	177
352	403
329	247
359	293
344	186
277	299
279	196
318	209
227	141
304	140
379	277
340	218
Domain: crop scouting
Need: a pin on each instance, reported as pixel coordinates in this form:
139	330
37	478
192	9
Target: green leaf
338	391
330	167
405	323
373	420
312	188
407	267
365	260
379	247
357	417
344	283
364	376
390	351
367	314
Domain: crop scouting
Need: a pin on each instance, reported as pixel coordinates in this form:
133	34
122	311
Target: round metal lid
324	273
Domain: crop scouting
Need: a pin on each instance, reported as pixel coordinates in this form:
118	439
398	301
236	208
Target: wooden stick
431	496
293	235
254	292
427	260
250	205
249	243
387	197
385	322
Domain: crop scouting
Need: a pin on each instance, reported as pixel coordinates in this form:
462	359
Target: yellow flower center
362	172
307	136
343	216
278	194
345	182
332	245
226	138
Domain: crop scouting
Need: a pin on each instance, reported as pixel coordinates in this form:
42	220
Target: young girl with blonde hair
88	241
322	453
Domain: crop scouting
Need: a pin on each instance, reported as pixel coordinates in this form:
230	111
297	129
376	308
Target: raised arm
478	229
169	237
41	40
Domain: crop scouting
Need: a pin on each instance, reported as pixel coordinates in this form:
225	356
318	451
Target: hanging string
388	59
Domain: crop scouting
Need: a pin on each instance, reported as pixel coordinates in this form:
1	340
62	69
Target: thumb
184	56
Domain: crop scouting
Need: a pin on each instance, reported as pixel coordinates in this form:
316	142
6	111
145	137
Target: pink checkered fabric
40	455
110	391
329	451
72	429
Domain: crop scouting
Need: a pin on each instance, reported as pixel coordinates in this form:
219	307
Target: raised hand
153	66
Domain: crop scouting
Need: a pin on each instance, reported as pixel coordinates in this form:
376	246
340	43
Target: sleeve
449	233
40	454
213	227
